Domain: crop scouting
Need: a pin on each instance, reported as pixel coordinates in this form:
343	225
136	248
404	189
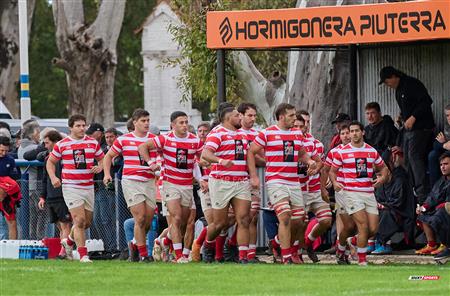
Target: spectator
52	198
432	214
381	132
415	108
7	169
340	120
30	140
111	135
203	130
396	208
440	145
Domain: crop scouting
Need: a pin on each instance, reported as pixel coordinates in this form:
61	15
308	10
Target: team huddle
224	162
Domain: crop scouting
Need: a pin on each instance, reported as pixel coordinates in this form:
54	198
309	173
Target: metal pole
25	101
353	63
221	81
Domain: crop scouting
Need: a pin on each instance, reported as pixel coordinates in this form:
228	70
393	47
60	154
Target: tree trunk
88	56
9	52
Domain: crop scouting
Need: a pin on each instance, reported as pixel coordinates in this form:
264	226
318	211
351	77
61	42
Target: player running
179	148
138	180
358	162
77	152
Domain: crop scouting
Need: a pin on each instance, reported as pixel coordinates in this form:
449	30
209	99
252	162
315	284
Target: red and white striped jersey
77	160
134	167
329	162
357	166
251	135
179	157
311	183
281	154
230	145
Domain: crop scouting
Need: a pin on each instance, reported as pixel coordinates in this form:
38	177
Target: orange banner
330	25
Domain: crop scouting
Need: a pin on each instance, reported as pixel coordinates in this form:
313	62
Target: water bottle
20	252
45	250
32	252
26	252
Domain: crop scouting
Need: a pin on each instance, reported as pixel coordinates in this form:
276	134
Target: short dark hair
53	136
343	127
447	107
373	105
299	117
302	112
282	109
139	113
112	130
176	114
204	124
224	112
223	106
444	155
5	141
76	117
130	125
5	125
243	107
355	122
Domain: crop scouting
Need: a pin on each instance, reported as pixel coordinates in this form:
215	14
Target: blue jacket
8	168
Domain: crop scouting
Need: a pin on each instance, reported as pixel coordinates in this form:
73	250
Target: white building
162	95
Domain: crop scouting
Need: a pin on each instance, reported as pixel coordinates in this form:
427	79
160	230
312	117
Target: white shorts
340	202
173	192
357	201
278	192
314	201
205	200
75	197
136	192
222	192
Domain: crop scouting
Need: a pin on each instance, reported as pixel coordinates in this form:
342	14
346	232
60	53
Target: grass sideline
51	277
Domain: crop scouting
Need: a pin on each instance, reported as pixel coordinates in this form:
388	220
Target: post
25	101
353	63
221	81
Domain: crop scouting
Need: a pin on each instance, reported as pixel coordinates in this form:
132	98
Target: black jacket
413	99
440	193
381	135
50	193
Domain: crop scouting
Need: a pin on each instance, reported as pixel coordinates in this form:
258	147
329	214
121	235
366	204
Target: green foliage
199	63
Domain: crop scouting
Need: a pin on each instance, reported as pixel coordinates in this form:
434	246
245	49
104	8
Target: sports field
123	278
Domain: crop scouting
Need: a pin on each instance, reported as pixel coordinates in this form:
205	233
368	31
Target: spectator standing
415	108
440	145
381	132
340	120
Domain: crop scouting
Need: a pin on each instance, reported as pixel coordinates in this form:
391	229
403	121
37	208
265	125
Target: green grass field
27	277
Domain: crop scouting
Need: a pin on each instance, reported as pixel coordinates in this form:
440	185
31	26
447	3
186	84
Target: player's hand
56	182
226	163
254	182
107	179
338	186
204	186
396	149
204	163
154	167
41	203
378	182
96	169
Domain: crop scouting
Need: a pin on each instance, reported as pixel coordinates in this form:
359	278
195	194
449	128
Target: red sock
251	254
340	250
233	239
371	243
362	255
167	241
142	251
220	242
276	242
82	251
286	254
178	250
432	244
134	247
201	238
243	252
294	249
354	240
70	241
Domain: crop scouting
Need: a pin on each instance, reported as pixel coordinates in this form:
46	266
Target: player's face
235	119
79	129
48	144
356	134
447	116
249	118
345	136
300	125
289	118
3	150
307	119
202	132
110	138
373	116
180	125
445	167
142	125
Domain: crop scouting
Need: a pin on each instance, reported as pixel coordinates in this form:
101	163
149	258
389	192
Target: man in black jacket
53	197
415	109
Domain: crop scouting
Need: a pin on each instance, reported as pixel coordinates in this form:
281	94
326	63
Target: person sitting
440	145
432	215
396	208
